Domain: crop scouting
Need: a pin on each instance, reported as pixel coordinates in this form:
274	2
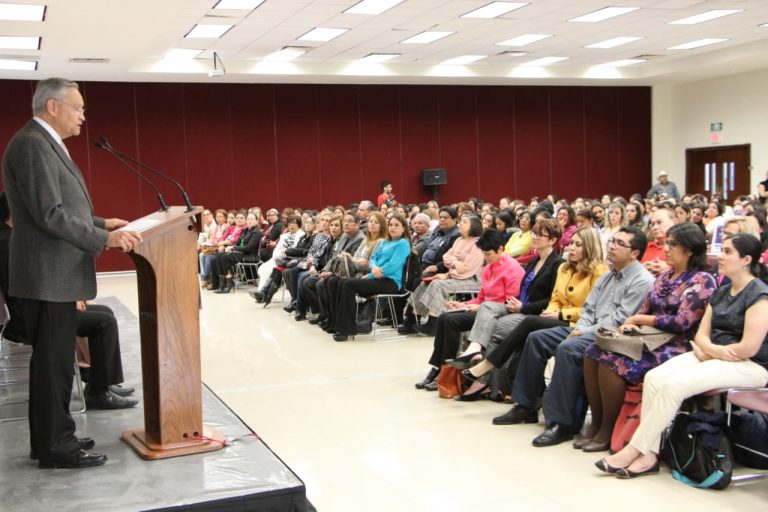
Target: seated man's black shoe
300	316
432	386
431	376
407	328
108	400
340	337
75	460
555	434
517	414
430	327
86	443
121	390
317	320
290	308
329	329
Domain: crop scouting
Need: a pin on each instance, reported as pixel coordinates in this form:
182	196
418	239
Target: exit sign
716	127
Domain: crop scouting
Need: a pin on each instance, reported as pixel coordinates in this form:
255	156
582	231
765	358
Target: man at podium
54	241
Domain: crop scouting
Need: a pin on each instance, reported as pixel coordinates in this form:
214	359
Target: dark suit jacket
55	236
540	289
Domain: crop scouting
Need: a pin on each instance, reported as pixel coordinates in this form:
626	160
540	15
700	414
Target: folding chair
246	273
754	399
389	298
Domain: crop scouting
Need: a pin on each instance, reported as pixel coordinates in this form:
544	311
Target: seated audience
635	214
566	216
328	230
244	250
616	296
520	241
616	219
730	349
385	277
505	224
713	217
420	233
655	258
464	262
675	304
271	233
287	240
211	246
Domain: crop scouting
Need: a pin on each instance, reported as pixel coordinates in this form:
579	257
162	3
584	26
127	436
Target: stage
246	475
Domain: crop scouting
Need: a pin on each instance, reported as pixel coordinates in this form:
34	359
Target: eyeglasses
620	243
527	219
79	110
541	235
671	243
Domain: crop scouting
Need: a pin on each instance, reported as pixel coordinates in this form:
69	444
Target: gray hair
50	88
365	205
423	217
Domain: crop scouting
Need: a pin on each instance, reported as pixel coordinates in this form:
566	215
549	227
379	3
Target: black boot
229	285
409	324
258	295
218	282
365	321
270	291
429	328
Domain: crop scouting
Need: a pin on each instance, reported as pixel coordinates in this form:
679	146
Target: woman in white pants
730	349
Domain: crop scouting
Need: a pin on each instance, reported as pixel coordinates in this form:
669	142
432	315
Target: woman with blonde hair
615	219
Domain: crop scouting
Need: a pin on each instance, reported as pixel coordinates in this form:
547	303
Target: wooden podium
169	305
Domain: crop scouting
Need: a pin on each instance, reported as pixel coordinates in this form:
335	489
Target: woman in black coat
245	249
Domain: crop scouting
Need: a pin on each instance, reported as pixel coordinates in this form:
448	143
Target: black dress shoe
407	329
75	460
432	386
556	434
517	414
431	376
626	473
603	466
329	329
317	320
86	443
300	316
430	327
480	394
109	400
290	308
121	390
463	362
364	327
340	337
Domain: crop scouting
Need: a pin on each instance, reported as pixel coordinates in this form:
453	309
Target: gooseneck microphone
101	144
105	144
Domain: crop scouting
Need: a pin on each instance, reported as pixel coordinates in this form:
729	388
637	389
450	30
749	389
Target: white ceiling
135	35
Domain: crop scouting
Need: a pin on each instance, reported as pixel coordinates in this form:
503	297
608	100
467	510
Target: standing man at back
54	241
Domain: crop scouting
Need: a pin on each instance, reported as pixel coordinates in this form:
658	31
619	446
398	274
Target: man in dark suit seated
53	245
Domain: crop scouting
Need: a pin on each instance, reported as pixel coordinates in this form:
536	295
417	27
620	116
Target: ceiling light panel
697	44
705	16
523	40
614	42
545	61
604	14
463	60
322	34
208	31
18	65
494	10
427	37
372	6
238	5
378	58
22	12
19	43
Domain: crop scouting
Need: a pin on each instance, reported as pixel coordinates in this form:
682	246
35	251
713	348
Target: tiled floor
347	419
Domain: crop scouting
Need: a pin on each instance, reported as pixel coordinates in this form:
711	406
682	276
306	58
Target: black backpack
698	450
749	431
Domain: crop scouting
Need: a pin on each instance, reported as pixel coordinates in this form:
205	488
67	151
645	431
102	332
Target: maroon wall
310	145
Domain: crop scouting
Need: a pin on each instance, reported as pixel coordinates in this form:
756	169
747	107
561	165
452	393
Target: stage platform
246	475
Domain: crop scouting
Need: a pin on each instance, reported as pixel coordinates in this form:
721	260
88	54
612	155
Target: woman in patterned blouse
675	304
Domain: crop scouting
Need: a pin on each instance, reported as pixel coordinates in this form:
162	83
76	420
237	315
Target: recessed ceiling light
238	5
287	53
545	61
613	43
426	37
697	44
208	31
19	43
494	9
182	53
604	14
621	63
378	58
524	39
22	12
18	65
322	34
372	6
705	16
463	60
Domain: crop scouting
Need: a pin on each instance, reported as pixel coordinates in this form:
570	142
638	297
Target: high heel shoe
463	362
480	394
229	285
625	473
603	466
467	374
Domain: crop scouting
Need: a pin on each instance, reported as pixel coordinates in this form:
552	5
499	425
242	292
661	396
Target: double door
724	171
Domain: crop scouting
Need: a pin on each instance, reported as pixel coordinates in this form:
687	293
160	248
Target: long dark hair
692	239
749	245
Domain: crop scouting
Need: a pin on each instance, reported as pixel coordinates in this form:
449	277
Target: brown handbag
449	382
632	343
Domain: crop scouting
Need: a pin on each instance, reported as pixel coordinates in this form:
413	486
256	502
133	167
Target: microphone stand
163	206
